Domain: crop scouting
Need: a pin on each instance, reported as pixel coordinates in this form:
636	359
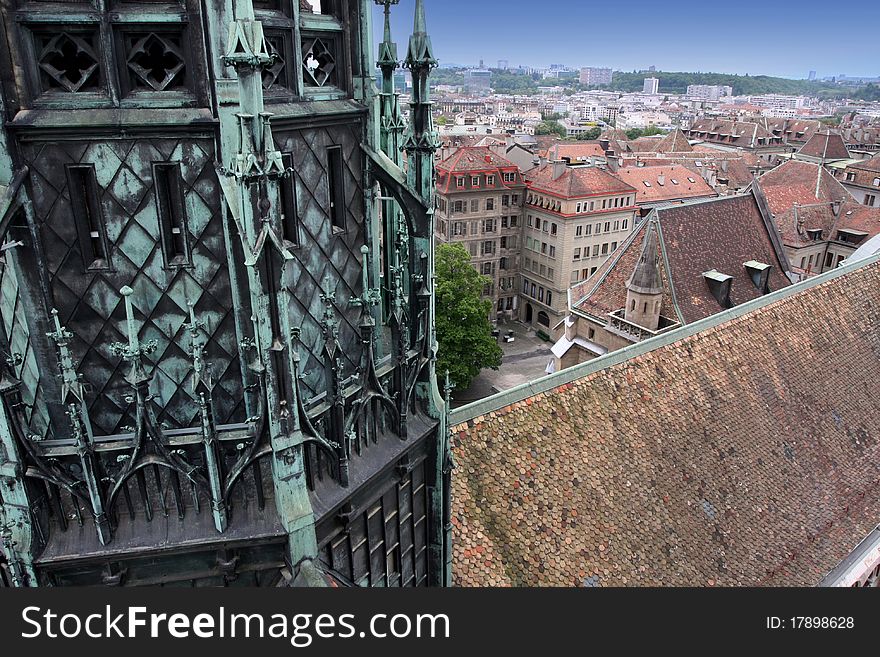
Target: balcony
632	331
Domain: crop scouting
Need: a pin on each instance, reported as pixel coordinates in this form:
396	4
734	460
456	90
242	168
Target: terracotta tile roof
674	142
735	133
470	161
800	182
644	144
711	461
575	152
695	237
665	183
825	145
794	223
614	134
576	182
868	165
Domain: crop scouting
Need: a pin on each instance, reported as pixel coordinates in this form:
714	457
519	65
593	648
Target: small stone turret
644	289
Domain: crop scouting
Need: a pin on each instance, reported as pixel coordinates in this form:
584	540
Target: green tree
550	128
652	130
442	120
633	133
589	135
463	328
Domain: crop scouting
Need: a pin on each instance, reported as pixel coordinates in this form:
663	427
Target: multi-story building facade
591	76
709	91
862	180
575	217
202	379
651	86
480	199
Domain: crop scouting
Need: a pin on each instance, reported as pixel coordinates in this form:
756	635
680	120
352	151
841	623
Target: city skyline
459	32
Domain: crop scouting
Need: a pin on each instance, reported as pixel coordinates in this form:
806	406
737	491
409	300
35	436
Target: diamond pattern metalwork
156	60
89	303
20	347
322	254
68	61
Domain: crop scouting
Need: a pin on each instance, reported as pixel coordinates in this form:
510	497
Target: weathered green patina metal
204	253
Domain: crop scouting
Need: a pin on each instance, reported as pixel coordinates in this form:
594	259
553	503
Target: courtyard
525	359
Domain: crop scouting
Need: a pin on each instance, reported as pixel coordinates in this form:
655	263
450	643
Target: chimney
542	160
614	164
724	166
835	207
559	167
603	144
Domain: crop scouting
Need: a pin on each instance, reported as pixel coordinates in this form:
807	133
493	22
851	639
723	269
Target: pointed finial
134	349
420	25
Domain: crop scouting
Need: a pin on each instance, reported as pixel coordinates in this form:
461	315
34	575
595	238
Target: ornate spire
645	278
387	49
420	49
422	140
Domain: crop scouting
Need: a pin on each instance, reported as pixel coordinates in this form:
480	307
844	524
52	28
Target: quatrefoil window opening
318	63
156	61
69	62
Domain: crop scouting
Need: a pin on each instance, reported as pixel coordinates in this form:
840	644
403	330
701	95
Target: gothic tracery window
155	61
68	61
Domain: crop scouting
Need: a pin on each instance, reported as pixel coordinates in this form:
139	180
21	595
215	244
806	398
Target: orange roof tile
713	460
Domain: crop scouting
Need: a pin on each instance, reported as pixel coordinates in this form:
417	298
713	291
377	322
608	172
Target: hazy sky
769	37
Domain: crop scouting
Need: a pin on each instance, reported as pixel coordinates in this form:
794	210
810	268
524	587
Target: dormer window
814	234
475	181
719	285
759	272
459	182
490	181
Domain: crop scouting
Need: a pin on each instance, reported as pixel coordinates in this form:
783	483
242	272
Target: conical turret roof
645	278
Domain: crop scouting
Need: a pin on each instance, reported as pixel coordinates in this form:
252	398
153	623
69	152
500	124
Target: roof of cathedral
825	145
704	456
695	237
576	182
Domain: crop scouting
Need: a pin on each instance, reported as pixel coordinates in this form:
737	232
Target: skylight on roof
674	181
691	179
647	184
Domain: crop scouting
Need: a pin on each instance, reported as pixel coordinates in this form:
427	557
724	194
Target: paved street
525	359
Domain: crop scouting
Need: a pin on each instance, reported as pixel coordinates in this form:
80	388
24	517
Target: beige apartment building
575	217
479	205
